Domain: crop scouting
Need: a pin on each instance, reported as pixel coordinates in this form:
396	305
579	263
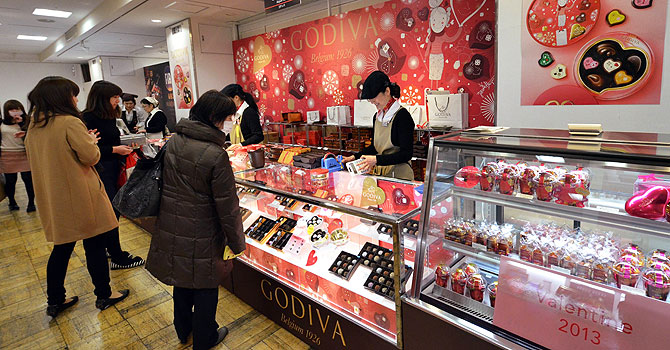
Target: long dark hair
51	97
233	90
98	100
212	108
10	105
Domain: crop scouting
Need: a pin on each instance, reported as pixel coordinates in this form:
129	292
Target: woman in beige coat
71	199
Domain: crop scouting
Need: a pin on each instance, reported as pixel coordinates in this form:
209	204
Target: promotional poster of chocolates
419	43
158	82
589	52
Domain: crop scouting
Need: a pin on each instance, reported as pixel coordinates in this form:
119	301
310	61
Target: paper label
633	290
479	246
560	311
560	269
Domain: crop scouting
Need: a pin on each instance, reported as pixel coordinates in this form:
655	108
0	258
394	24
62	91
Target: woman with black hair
391	149
131	115
73	205
13	158
102	110
245	127
156	121
199	222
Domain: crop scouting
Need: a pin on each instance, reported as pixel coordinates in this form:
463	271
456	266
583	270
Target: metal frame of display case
390	219
605	158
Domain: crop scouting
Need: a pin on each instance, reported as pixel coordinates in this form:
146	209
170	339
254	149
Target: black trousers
110	176
10	186
195	311
96	263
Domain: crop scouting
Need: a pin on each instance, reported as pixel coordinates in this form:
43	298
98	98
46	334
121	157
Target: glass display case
536	238
326	240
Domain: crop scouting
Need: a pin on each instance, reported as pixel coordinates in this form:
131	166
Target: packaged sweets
572	188
505	241
601	268
625	274
507	178
658	255
656	283
488	176
526	180
458	279
442	275
544	184
476	285
467	177
470	269
493	291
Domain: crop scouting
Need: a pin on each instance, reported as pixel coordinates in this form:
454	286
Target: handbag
140	196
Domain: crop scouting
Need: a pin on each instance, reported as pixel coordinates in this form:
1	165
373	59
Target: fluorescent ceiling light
31	37
156	20
148	46
52	13
80	57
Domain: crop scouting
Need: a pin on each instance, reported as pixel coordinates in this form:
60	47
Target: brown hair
51	97
10	105
98	100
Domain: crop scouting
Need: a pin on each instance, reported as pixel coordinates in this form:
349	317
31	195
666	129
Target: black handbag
140	196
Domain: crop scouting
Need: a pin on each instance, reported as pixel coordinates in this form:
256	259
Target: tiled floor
142	321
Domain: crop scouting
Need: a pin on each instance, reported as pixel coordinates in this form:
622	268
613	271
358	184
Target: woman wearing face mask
156	122
102	109
13	158
199	217
245	128
391	149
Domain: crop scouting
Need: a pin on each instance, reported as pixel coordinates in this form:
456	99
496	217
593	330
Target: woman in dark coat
199	220
245	127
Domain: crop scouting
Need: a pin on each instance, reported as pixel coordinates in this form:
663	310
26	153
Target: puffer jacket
199	212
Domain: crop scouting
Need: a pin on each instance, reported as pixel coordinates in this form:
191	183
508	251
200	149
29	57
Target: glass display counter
320	253
538	239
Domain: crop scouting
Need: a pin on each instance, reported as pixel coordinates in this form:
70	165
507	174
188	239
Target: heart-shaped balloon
650	204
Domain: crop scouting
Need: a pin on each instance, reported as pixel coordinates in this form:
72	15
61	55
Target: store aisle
143	321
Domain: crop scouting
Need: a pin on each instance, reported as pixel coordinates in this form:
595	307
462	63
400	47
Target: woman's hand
369	162
141	131
95	135
348	159
233	147
20	134
122	150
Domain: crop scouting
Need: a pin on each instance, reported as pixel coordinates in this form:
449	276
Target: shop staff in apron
131	115
156	122
246	124
391	150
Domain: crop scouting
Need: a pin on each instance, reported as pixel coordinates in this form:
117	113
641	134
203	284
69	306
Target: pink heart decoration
590	63
464	9
311	259
650	204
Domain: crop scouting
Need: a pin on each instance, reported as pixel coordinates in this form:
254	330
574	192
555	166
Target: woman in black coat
199	222
102	109
245	128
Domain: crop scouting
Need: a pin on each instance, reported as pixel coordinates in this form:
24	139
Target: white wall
18	78
213	70
640	118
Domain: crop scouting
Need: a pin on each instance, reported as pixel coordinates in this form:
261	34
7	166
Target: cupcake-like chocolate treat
476	285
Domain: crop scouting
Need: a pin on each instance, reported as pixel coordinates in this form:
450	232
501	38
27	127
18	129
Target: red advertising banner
560	311
419	43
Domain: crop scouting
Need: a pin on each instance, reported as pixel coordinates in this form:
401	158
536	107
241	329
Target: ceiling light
31	37
79	57
148	46
156	20
52	13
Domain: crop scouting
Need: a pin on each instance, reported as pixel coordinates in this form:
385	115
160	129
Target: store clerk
391	149
156	122
246	124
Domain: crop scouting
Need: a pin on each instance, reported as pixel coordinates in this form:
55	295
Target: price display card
560	311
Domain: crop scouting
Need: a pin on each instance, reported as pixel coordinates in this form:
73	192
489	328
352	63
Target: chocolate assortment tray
606	65
260	228
286	224
373	255
279	239
411	227
285	201
344	265
248	190
294	245
380	281
384	229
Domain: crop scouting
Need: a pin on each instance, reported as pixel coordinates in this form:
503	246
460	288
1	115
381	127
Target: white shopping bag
418	113
364	113
447	110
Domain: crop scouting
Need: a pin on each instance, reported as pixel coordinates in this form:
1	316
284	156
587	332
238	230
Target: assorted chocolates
373	255
544	183
607	65
286	224
279	239
496	238
260	228
385	229
344	265
411	227
380	280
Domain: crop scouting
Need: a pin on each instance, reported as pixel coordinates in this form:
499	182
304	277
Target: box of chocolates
380	281
373	255
260	228
344	265
279	239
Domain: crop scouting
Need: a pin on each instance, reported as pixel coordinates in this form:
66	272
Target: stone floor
142	321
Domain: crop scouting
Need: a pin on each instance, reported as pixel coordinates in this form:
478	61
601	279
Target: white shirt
141	115
9	142
155	135
237	119
386	118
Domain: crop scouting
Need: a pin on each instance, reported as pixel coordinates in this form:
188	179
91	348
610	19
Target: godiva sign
305	318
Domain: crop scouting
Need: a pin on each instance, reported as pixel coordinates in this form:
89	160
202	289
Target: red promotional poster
420	44
399	197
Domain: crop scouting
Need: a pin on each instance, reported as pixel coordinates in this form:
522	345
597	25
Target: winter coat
199	212
70	197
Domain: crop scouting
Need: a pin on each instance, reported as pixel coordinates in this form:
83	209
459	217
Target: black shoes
223	332
125	261
102	304
13	207
54	310
31	208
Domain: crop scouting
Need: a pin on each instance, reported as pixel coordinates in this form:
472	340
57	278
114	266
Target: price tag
560	269
607	209
633	290
479	246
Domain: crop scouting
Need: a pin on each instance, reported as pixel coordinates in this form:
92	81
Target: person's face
129	105
75	99
382	99
147	108
238	101
17	115
114	101
220	124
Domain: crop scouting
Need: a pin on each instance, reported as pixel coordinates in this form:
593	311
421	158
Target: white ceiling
123	36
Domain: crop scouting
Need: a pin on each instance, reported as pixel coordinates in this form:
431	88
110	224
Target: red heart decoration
467	177
311	259
651	204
